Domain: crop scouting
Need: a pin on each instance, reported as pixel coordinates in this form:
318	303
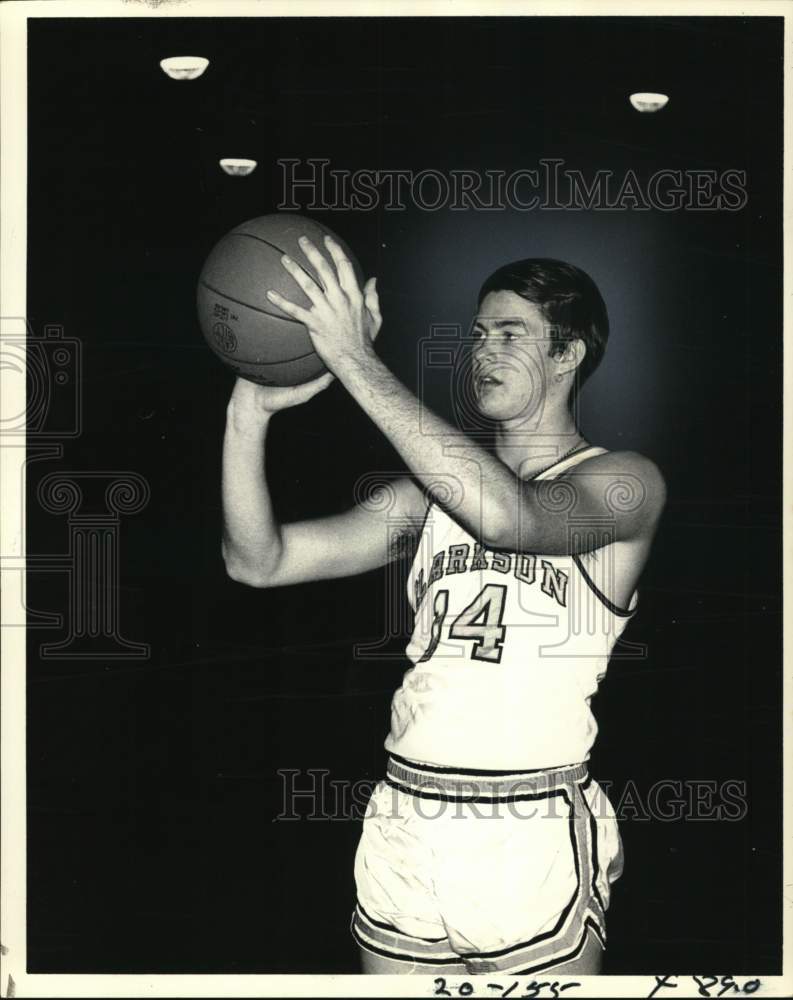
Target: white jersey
508	650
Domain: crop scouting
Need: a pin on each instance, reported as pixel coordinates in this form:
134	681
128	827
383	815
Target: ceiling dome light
237	168
649	102
184	67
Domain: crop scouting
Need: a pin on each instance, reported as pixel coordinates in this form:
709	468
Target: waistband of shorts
433	781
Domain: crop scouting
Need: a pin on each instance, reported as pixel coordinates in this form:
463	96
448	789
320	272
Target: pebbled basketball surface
245	330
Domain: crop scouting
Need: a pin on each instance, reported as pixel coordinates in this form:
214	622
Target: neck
528	448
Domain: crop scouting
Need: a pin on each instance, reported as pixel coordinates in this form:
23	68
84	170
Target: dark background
153	785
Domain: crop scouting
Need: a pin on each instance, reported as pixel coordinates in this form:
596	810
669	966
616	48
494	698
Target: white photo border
14	979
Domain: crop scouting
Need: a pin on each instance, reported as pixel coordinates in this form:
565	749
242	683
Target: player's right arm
262	553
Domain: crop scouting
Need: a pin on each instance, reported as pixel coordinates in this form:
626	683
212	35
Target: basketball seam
217	291
281	251
267	364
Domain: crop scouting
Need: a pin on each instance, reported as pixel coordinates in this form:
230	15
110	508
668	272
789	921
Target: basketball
251	335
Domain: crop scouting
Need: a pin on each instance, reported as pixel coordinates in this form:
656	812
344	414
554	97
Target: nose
484	349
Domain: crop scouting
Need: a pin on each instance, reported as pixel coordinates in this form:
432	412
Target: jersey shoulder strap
567	463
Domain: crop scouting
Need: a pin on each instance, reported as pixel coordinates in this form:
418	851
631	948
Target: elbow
245	577
238	571
501	538
498	528
509	519
263	574
242	574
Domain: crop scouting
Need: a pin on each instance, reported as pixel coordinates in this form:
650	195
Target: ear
573	355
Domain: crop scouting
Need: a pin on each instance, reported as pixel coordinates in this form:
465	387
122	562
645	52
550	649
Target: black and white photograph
392	499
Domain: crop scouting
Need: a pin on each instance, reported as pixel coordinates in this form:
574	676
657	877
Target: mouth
486	380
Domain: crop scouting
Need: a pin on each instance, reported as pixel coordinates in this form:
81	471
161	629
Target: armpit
403	542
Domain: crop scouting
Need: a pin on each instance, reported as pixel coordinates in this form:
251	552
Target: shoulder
632	481
623	463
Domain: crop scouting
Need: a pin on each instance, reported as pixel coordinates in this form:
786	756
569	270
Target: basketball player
487	848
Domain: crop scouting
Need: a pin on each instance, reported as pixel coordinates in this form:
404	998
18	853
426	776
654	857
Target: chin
507	409
489	409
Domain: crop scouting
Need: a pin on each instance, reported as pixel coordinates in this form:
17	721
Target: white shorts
499	871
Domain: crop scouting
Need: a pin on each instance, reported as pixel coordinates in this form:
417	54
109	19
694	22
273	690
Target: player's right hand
256	401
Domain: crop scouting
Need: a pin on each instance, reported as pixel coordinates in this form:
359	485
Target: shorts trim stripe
460	960
417	765
420	959
397	944
390	927
456	786
589	922
595	865
475	797
592	922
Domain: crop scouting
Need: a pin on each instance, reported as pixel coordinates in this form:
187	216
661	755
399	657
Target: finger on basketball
312	288
347	279
370	297
323	269
296	312
372	304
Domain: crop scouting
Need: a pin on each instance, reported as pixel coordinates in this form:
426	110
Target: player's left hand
343	319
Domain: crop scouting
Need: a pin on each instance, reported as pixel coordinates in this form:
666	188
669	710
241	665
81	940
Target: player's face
510	363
